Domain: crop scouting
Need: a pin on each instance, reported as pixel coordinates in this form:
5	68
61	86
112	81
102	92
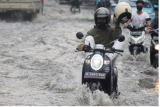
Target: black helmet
102	13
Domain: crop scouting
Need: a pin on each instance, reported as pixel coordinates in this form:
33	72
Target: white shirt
139	19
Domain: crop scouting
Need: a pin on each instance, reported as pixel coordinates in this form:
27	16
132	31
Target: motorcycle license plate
95	75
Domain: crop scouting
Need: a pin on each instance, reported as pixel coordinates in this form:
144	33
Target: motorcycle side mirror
148	19
121	38
79	35
112	43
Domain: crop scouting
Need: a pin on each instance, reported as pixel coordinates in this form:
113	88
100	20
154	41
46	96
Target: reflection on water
150	83
156	86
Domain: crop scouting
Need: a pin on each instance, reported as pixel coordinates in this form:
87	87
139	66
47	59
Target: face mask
101	25
139	8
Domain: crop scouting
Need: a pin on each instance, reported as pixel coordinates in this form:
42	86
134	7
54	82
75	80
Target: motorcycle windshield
137	25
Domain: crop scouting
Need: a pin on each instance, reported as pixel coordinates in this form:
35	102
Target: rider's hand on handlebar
147	31
80	47
148	24
126	25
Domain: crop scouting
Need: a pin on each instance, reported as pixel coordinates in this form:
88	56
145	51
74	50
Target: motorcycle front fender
137	47
94	86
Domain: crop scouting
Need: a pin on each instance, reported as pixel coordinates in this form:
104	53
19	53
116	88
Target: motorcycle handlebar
117	50
77	50
154	31
89	49
109	51
138	29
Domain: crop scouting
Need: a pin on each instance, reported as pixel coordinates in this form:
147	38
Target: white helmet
123	12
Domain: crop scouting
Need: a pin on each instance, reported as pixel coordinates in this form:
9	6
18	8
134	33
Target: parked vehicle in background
21	8
148	7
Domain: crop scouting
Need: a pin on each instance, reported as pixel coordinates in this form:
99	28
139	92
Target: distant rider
102	3
75	3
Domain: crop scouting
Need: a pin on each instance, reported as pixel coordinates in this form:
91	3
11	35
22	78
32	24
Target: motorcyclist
75	3
104	34
139	17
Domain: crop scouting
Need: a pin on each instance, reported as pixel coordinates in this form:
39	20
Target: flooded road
39	65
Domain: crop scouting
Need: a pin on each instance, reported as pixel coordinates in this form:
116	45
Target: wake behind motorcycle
136	39
154	48
99	72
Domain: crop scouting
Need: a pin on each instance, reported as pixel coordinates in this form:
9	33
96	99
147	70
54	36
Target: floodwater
39	65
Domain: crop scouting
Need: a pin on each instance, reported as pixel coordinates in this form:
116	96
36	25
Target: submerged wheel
135	54
94	86
155	64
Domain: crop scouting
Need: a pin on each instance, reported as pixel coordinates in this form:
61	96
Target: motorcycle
136	40
154	48
99	72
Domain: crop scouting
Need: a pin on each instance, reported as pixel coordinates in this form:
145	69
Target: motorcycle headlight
132	41
140	41
157	47
152	15
96	62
